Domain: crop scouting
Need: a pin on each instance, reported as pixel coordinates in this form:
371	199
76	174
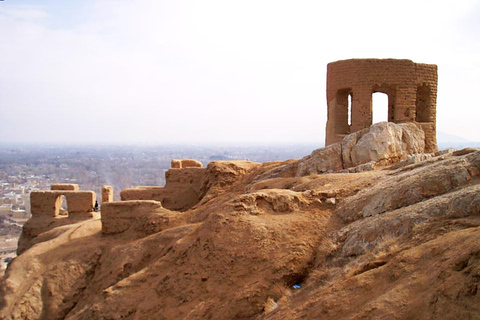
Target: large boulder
383	143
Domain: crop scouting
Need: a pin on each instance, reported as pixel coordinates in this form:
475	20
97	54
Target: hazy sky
210	71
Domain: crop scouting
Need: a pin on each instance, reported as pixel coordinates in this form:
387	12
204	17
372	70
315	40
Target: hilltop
372	227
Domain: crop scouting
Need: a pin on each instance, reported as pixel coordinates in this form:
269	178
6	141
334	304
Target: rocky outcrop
282	201
404	188
221	175
407	222
328	159
382	144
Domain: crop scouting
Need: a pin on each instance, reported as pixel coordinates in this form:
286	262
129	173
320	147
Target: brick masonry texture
411	89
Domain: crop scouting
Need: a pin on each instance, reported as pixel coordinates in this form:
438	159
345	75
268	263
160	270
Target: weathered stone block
43	203
191	163
186	163
64	186
80	202
107	194
176	164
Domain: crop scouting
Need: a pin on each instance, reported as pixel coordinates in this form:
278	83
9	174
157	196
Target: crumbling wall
47	203
182	187
64	186
80	203
186	163
107	194
411	89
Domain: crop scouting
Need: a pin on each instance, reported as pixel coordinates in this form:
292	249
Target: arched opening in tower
379	107
343	111
350	96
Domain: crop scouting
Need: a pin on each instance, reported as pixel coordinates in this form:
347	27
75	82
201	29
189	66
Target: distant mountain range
445	141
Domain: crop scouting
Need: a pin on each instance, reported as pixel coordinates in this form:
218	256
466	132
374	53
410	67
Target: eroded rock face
401	190
221	175
328	159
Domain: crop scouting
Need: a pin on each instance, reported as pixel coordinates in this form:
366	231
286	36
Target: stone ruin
411	89
48	203
80	204
181	192
107	194
182	189
47	211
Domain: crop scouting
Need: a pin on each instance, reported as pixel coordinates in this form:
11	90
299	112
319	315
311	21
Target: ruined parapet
64	186
46	207
80	203
411	89
107	194
44	203
48	203
176	164
186	163
182	187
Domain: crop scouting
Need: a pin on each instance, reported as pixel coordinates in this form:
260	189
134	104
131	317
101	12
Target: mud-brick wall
181	191
411	89
48	203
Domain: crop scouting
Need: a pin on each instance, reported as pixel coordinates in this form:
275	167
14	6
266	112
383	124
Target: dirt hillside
273	241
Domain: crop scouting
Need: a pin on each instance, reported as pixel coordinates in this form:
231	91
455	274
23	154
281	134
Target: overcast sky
216	71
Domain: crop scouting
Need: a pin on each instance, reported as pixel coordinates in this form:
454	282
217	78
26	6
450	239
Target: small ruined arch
61	206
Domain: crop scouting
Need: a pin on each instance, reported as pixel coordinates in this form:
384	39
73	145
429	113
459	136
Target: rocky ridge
368	228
